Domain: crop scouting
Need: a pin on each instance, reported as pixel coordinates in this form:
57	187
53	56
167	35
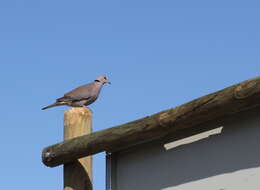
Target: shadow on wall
236	148
74	172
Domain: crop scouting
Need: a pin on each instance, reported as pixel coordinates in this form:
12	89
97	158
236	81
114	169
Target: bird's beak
108	82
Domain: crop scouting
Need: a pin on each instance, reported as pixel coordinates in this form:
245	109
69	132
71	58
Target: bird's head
103	79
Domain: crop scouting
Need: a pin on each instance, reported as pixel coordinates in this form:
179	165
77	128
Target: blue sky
157	54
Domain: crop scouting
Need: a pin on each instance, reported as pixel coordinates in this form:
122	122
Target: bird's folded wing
81	93
71	99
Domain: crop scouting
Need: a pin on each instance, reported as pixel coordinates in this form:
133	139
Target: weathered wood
78	173
234	99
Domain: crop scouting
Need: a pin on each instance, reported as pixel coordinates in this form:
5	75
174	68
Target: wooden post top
81	111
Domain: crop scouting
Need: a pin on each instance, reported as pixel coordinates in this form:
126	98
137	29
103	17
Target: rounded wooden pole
78	174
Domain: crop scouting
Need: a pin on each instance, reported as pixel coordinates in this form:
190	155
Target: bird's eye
105	78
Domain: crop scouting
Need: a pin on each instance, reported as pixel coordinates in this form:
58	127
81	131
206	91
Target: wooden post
78	174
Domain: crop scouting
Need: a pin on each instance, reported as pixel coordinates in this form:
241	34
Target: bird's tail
53	105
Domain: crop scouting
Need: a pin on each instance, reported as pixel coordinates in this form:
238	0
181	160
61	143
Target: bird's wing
81	93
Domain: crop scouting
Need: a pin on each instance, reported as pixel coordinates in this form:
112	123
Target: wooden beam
231	100
78	173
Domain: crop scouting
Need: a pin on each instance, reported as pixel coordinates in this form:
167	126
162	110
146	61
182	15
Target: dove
83	95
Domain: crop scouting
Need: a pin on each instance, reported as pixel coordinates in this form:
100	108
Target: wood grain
78	173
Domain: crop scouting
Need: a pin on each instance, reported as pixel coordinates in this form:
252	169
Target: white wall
229	160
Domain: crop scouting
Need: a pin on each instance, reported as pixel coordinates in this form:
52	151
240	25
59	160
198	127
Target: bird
83	95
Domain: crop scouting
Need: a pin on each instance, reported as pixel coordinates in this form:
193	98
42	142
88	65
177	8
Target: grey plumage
81	96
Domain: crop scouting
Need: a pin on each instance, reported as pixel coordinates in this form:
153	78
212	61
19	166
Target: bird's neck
99	85
98	82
